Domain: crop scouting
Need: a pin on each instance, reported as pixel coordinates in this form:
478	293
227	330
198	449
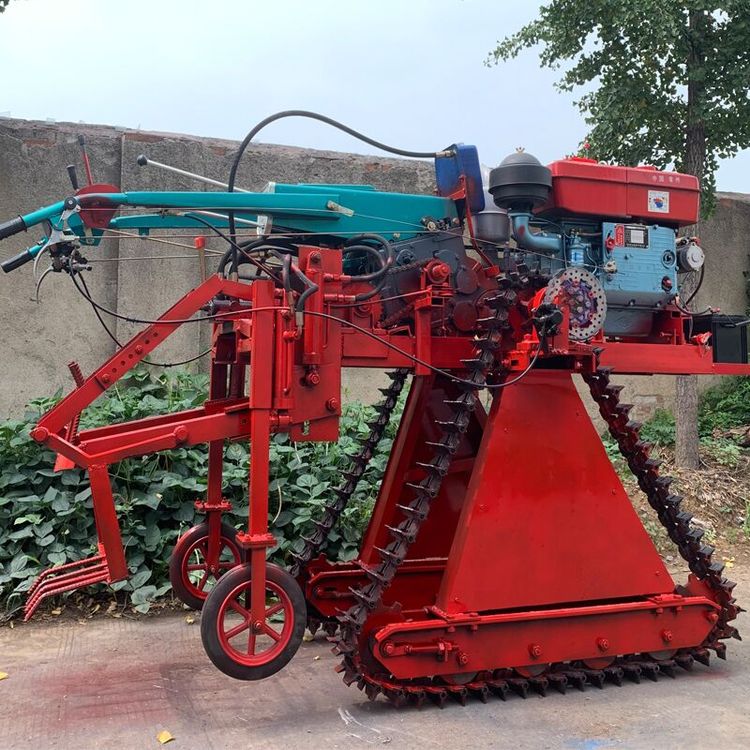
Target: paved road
116	683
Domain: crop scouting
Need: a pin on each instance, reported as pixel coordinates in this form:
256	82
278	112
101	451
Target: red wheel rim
197	578
254	644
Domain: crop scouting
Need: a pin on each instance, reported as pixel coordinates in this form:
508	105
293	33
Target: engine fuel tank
585	187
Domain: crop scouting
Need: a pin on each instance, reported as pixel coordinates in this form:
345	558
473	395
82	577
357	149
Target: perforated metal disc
580	291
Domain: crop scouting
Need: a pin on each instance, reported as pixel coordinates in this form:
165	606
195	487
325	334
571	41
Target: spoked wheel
247	649
190	572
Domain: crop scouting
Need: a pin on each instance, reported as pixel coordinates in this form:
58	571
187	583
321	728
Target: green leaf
139	579
306	480
60	504
18	564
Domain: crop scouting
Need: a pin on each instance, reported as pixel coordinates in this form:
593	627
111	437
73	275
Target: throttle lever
73	176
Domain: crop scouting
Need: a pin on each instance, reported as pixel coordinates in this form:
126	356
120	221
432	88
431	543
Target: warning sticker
658	201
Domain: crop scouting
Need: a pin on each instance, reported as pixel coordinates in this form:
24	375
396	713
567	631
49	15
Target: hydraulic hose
320	118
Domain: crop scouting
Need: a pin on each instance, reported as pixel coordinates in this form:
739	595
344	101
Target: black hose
95	308
312	116
235	247
697	287
342	321
253	245
379	275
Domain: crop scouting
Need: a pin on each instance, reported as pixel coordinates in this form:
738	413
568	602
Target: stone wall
37	340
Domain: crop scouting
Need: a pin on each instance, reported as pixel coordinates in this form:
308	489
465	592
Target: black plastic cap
520	182
142	160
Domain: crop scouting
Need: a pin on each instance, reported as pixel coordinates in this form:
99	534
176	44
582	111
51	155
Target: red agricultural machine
503	554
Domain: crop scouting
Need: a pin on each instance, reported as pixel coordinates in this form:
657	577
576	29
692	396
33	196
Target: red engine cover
586	187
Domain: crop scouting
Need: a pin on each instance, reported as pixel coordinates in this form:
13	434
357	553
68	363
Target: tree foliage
655	75
3	3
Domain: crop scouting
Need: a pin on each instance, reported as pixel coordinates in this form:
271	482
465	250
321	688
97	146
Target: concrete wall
37	340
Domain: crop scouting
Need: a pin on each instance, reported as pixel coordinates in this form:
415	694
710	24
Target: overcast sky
407	72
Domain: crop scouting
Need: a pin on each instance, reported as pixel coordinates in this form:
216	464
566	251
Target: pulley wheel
665	655
532	670
191	575
599	662
247	649
463	678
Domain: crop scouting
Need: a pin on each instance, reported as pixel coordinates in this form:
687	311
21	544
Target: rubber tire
185	542
209	632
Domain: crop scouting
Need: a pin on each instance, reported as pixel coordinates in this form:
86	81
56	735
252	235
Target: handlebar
17	261
8	229
14	226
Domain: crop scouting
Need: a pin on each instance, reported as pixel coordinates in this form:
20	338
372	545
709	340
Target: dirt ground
117	683
718	496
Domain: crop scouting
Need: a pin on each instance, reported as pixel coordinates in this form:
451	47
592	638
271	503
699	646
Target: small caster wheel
248	650
190	573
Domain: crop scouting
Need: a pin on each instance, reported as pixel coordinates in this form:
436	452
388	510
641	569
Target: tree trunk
686	421
686	396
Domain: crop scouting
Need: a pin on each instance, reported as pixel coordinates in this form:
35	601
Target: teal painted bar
343	210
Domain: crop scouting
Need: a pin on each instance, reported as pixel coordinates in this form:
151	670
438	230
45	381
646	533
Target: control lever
86	162
73	176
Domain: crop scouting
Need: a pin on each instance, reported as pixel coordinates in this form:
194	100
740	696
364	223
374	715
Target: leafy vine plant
46	518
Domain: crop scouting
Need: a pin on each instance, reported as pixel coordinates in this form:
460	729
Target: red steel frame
491	580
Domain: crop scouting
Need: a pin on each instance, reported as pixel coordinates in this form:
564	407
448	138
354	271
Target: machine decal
658	201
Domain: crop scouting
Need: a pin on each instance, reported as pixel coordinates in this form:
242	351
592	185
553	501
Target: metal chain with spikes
503	682
677	522
314	544
416	511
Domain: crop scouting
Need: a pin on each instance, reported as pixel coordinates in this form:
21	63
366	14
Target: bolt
312	378
139	349
40	434
388	648
257	626
332	404
666	636
180	433
535	650
712	617
106	378
315	256
463	658
603	644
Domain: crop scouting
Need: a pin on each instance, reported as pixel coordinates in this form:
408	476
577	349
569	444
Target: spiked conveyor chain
666	504
314	544
504	682
414	514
